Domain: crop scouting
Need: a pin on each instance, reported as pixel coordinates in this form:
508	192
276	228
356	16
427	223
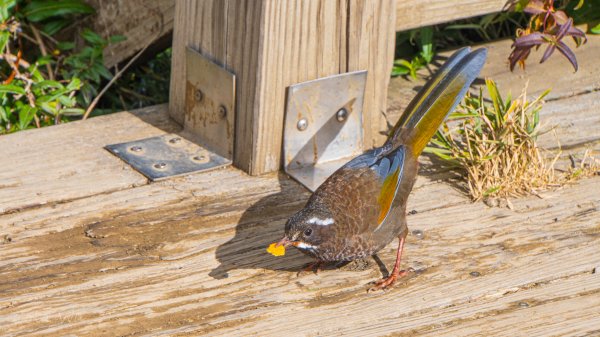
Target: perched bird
361	207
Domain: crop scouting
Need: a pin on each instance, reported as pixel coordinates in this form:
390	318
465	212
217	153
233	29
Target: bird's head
307	229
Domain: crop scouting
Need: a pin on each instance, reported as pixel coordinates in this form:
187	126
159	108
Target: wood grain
142	22
419	13
102	252
186	256
68	161
270	45
198	265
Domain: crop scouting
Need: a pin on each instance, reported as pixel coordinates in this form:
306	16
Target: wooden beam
419	13
141	21
270	45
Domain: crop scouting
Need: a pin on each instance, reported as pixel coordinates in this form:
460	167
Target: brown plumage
361	207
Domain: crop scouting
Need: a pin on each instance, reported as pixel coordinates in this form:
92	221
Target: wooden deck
89	247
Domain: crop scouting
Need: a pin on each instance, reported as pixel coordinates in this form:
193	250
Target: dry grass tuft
495	144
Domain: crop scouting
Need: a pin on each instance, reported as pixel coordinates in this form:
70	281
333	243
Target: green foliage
494	144
142	85
415	49
46	81
422	59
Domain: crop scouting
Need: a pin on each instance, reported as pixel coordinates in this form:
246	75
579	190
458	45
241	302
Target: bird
361	207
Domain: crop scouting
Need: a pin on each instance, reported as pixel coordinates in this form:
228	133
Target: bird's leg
389	281
314	266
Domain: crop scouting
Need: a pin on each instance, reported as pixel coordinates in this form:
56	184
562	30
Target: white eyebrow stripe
303	245
320	222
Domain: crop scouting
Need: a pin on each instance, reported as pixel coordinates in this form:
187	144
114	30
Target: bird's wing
361	192
389	169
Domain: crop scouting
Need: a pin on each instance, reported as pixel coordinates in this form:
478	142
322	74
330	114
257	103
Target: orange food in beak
276	249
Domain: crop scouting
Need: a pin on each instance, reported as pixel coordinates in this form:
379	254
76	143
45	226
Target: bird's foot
314	267
387	282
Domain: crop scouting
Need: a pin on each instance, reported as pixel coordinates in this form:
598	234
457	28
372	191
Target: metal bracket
206	141
323	126
166	156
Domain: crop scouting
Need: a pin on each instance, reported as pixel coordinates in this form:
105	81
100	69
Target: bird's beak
285	242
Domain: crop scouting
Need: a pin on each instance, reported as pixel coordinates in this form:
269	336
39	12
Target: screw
475	273
302	124
160	166
174	140
413	212
418	233
222	111
136	148
198	95
342	114
523	304
199	158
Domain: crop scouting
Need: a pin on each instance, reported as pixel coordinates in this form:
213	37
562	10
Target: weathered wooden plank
149	270
573	314
68	161
141	21
420	13
271	45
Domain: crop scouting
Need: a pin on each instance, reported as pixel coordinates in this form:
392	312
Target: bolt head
341	115
222	111
199	158
160	166
136	148
475	273
302	124
523	304
174	140
198	95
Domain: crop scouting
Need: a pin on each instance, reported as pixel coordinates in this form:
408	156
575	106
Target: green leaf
4	116
4	38
65	45
26	114
595	29
55	26
520	5
463	26
117	38
75	84
102	71
5	6
491	190
72	111
39	10
46	84
399	70
92	37
11	88
579	4
427	44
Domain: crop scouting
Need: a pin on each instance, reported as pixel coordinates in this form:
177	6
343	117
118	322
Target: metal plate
209	104
208	127
316	141
166	156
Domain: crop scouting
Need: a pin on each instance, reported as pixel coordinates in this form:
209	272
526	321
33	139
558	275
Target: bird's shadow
261	224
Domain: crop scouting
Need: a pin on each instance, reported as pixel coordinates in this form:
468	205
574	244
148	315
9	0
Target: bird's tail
437	99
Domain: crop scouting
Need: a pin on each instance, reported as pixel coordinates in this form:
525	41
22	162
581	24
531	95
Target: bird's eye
308	232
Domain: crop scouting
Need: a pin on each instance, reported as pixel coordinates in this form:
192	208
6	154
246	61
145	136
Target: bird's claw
315	267
387	282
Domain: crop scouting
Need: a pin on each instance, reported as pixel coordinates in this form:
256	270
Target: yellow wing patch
386	197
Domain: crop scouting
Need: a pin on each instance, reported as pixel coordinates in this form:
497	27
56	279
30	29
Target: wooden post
270	45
